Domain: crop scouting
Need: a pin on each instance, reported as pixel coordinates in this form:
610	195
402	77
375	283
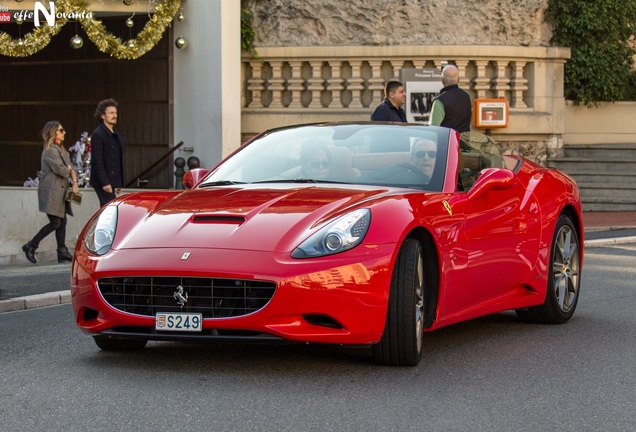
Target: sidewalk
607	221
601	229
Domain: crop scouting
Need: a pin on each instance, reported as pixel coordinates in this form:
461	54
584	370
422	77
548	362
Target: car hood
275	218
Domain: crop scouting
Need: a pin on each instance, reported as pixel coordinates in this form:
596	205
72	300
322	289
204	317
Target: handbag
73	198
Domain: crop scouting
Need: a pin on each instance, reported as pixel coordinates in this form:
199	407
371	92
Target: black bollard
179	172
194	162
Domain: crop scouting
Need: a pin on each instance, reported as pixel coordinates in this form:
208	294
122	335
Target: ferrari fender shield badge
185	256
446	206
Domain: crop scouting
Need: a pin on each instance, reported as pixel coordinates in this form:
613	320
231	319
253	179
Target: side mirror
492	179
193	177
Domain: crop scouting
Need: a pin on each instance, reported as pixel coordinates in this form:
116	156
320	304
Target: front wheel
401	343
564	278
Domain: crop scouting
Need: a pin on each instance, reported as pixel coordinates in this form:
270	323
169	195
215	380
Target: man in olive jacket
107	153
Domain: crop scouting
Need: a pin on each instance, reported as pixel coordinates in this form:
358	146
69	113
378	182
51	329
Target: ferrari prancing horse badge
448	207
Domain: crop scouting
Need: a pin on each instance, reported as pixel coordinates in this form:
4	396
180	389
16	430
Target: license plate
177	321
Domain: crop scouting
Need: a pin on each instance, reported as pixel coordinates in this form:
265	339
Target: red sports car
339	233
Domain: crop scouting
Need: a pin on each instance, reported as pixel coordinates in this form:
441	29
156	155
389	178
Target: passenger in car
315	161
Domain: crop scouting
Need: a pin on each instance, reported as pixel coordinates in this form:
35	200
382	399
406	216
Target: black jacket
386	111
457	108
107	158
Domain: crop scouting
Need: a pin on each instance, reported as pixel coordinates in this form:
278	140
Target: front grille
212	297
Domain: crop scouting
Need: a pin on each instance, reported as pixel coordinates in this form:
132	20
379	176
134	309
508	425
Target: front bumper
336	299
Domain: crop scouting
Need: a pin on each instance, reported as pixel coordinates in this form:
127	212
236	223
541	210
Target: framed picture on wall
421	86
490	113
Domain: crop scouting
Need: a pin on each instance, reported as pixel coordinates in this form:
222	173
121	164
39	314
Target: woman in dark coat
52	188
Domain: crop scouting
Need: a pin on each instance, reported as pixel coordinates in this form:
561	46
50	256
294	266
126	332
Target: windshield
409	156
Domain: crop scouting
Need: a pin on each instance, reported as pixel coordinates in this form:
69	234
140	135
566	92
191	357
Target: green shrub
247	32
630	87
597	32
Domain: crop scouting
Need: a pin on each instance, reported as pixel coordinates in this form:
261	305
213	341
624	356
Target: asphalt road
489	374
28	280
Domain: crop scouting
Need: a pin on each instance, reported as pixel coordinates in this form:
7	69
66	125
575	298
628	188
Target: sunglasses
61	130
320	164
432	154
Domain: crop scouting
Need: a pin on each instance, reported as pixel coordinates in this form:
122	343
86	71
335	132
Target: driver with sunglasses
423	155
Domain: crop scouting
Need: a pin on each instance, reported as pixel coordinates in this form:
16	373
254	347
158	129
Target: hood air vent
218	219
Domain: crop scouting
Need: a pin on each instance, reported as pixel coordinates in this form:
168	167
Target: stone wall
280	23
539	150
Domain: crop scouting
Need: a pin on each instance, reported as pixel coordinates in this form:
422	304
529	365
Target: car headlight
101	232
344	233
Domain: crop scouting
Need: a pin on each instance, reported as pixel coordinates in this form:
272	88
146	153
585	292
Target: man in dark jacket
391	109
452	108
107	152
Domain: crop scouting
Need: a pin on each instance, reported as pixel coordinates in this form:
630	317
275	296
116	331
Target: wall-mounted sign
421	86
490	113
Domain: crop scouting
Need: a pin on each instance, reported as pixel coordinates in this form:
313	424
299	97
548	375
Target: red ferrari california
338	233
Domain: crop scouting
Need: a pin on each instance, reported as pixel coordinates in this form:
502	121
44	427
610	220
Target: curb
35	301
609	241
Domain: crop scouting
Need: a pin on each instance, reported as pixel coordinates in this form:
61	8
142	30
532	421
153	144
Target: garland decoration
35	41
30	44
147	38
105	41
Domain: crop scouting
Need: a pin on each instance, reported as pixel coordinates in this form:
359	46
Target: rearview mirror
492	179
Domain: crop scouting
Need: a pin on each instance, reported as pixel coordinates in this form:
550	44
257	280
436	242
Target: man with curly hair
107	153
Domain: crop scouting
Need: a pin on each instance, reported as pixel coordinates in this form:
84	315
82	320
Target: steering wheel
415	170
401	173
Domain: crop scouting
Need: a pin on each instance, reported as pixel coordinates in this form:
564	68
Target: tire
401	342
114	344
564	278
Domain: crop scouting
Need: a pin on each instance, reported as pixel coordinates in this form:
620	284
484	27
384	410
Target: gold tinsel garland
105	41
32	42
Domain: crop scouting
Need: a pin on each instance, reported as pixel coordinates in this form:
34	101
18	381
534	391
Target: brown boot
29	252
